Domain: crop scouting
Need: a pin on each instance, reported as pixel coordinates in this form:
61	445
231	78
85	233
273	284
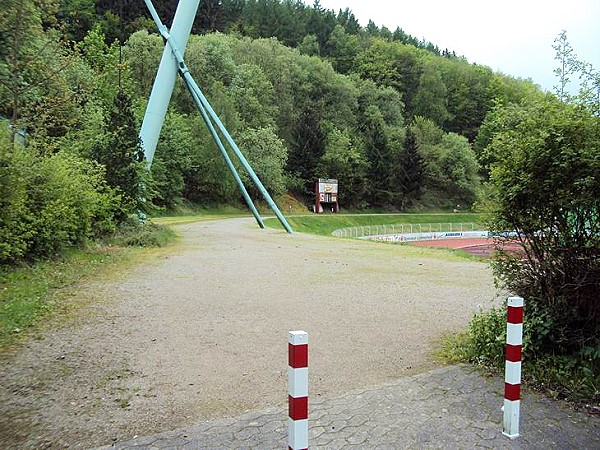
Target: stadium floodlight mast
172	63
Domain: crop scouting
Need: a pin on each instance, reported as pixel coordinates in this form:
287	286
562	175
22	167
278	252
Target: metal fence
402	228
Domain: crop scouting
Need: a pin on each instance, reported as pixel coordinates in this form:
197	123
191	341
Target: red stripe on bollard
298	408
512	373
512	392
298	390
513	353
298	355
515	314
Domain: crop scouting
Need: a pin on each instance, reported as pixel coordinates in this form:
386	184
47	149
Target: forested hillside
306	92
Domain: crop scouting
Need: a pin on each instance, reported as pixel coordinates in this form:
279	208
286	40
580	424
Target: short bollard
298	390
512	377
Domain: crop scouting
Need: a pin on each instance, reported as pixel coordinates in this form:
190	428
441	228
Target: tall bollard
298	390
512	377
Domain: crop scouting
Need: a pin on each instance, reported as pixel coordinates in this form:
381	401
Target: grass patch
454	349
145	235
325	224
31	292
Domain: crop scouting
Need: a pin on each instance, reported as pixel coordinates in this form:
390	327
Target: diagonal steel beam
162	89
160	96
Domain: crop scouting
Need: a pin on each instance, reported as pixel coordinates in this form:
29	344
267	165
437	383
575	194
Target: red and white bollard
298	390
512	377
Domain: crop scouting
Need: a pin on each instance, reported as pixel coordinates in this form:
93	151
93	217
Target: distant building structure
326	196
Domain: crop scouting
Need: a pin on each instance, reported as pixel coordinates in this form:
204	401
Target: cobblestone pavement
451	407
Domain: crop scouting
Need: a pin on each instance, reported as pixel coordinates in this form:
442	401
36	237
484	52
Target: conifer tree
412	169
121	152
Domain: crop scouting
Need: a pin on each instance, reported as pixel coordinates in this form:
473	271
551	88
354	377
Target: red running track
475	246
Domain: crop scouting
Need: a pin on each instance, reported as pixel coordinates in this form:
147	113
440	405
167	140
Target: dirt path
202	333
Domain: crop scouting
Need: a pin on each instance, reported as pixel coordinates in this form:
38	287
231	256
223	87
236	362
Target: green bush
574	376
142	234
49	203
544	164
546	187
487	338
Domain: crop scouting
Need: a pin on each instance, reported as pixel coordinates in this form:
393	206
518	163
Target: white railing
403	228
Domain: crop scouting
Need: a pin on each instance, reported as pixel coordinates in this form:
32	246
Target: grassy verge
325	224
30	293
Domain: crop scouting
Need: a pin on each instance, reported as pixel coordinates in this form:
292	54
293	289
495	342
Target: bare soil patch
202	333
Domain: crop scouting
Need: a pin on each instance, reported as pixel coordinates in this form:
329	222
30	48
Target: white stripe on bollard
298	390
512	377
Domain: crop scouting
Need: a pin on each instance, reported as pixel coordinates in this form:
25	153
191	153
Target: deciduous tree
547	190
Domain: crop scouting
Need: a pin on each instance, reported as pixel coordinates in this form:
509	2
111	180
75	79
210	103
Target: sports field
475	246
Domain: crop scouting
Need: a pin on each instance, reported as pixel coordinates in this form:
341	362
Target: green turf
325	224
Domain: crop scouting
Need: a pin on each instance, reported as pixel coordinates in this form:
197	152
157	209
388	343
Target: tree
321	23
76	18
209	17
307	147
232	13
450	175
121	153
386	34
341	49
347	19
103	59
394	65
43	83
372	29
142	53
21	41
172	161
382	158
547	190
344	161
120	18
468	96
412	171
589	78
267	155
253	97
430	99
309	46
566	58
207	178
460	182
49	203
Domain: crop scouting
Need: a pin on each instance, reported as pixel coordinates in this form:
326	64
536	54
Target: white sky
514	37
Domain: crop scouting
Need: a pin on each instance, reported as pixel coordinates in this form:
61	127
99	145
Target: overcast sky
514	37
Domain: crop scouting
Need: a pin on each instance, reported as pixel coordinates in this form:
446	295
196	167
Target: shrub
546	188
142	234
49	203
574	376
487	338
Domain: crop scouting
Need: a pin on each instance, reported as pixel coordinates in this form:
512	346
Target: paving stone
335	444
315	431
449	407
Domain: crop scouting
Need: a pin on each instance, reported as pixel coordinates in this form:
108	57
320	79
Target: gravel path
202	333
